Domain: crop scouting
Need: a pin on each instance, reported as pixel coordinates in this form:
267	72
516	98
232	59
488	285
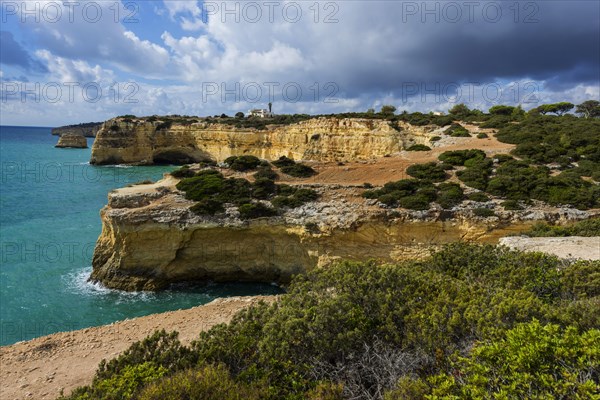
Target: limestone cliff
126	141
89	129
150	238
72	141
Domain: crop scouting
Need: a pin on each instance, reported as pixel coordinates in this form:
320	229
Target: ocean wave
77	282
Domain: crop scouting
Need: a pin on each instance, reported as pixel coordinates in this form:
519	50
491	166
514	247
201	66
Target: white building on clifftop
260	112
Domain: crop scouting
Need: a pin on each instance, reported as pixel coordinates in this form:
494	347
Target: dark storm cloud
562	47
12	53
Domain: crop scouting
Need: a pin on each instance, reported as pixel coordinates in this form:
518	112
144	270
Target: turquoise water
49	221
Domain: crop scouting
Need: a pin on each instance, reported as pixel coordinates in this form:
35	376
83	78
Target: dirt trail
393	168
40	368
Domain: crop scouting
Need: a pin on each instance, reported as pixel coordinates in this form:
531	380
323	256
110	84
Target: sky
64	62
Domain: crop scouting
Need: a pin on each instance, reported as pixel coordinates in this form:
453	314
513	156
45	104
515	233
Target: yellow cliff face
150	239
322	139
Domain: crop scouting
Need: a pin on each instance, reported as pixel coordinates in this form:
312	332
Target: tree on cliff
388	110
460	110
589	108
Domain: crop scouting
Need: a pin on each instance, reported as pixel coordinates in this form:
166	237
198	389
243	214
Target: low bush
478	196
418	147
588	227
450	195
482	135
290	167
435	138
242	163
462	323
457	130
299	171
459	157
211	191
429	171
207	207
290	197
256	210
496	122
283	161
263	188
203	383
183	172
484	212
512	205
266	173
532	361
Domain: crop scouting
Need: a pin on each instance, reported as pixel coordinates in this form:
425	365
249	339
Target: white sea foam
78	282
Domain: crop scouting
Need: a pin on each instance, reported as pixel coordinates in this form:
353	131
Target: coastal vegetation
556	161
470	321
257	199
588	227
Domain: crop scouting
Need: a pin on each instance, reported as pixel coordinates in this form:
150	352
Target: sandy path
587	248
40	368
393	168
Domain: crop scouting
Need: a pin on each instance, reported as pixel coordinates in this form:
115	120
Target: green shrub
435	139
256	210
459	157
530	361
457	130
418	147
290	167
298	171
204	184
497	122
429	171
183	172
477	175
242	163
358	330
283	161
450	195
293	197
415	202
266	173
511	205
122	386
207	207
478	196
588	227
263	188
502	158
483	212
203	383
482	135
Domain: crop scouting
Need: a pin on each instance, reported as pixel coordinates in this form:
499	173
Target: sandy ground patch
40	368
587	248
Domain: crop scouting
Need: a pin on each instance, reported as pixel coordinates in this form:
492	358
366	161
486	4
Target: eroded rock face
325	139
72	141
151	239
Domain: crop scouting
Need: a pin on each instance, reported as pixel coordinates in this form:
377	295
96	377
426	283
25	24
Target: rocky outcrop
89	129
151	239
72	141
126	141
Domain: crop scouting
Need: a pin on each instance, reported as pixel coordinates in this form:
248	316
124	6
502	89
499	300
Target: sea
50	201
